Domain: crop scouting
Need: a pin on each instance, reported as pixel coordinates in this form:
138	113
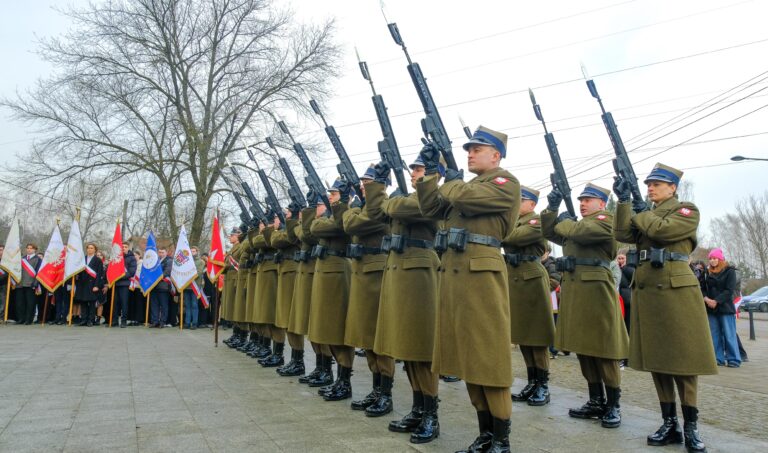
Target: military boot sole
665	441
399	426
424	440
378	413
537	403
323	383
273	363
586	414
611	424
291	372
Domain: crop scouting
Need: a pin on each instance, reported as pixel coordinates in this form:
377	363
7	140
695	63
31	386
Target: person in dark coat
161	294
88	285
722	288
28	286
627	272
122	295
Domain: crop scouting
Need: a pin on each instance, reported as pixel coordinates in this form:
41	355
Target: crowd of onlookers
92	299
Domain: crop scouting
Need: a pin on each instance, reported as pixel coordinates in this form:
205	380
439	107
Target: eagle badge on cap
685	211
500	181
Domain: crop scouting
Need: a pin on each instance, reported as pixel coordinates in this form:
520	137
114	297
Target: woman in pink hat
721	290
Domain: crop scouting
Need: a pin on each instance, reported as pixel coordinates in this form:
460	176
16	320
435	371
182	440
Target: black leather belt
483	239
514	259
357	251
302	256
458	238
657	256
398	243
569	263
320	252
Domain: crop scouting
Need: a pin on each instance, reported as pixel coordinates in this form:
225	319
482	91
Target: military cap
664	173
420	163
485	136
337	185
593	191
235	230
527	193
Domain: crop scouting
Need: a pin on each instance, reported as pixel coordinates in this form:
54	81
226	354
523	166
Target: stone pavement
127	390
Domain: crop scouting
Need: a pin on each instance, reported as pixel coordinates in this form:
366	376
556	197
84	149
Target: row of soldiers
420	278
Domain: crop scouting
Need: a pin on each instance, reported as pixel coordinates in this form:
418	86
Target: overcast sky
652	60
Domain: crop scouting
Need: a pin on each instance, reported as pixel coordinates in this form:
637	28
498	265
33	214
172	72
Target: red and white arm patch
500	180
602	217
685	212
533	222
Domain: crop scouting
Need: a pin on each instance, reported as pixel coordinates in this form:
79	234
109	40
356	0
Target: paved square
126	390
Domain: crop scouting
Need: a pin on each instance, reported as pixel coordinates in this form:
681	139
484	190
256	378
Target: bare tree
164	90
744	235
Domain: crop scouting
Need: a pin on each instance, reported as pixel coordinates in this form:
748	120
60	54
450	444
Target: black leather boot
263	348
315	372
412	419
526	392
276	359
242	339
429	428
595	407
231	338
669	432
500	442
383	404
256	345
540	394
343	390
693	443
296	365
612	416
324	376
361	405
247	345
328	388
483	442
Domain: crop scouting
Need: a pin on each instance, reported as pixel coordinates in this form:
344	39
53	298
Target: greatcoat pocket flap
332	267
530	275
593	276
415	263
678	281
486	263
376	266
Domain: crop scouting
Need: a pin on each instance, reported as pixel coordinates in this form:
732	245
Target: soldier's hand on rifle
431	158
293	210
261	227
640	206
344	191
276	223
622	189
451	174
311	199
382	171
554	198
320	210
565	215
356	202
243	218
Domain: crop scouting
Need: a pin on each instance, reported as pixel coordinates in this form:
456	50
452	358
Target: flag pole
7	298
216	315
71	299
146	315
181	310
111	306
45	308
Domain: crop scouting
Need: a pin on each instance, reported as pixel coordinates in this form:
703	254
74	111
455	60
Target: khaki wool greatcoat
265	296
286	243
330	286
230	283
241	288
253	268
298	321
670	332
365	283
472	332
589	321
530	305
405	326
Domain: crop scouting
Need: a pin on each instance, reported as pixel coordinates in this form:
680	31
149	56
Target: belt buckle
643	255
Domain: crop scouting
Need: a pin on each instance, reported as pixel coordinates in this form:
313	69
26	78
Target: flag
215	265
183	271
11	262
151	267
51	272
75	258
200	294
116	265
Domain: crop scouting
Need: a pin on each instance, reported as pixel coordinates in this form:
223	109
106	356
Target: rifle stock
344	167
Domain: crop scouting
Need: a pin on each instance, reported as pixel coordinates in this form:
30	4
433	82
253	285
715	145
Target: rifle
258	213
345	167
621	164
244	216
271	200
432	125
312	179
294	191
388	147
558	178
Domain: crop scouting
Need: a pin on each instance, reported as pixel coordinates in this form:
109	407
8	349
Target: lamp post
741	158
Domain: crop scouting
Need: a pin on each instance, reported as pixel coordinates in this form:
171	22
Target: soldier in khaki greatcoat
241	288
590	322
670	332
330	289
265	295
405	325
368	261
231	266
472	338
530	306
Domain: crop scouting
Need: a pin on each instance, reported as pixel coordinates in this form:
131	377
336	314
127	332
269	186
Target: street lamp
741	158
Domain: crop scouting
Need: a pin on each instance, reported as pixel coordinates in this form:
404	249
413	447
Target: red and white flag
75	260
215	265
51	272
11	261
200	294
116	266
